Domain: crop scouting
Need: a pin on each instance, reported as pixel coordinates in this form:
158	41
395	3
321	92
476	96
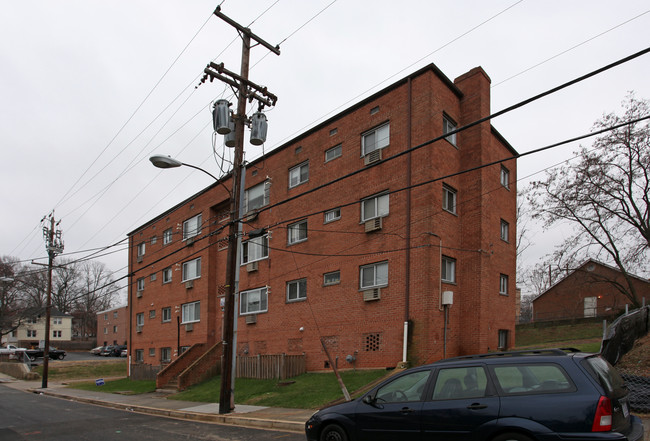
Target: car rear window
532	379
604	373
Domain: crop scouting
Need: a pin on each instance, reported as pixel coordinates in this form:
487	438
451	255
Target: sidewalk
289	420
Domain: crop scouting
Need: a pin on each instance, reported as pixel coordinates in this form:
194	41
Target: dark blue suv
541	395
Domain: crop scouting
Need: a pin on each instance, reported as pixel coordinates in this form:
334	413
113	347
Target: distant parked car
106	351
97	350
117	350
124	352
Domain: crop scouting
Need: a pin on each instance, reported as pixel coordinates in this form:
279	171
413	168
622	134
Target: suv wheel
512	437
333	432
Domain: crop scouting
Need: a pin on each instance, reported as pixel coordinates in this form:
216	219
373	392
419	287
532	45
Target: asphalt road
27	416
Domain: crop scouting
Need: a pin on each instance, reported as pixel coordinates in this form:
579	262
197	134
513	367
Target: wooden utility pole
246	90
54	246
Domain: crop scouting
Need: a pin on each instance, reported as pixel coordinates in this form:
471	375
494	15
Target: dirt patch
637	361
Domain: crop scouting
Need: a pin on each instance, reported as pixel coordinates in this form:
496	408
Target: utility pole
54	246
246	90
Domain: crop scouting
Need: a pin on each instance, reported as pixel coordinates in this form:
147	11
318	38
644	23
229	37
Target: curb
231	420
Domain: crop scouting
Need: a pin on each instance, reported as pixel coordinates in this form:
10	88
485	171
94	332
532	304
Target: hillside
637	361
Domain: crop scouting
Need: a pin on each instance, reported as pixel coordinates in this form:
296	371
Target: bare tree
97	293
605	196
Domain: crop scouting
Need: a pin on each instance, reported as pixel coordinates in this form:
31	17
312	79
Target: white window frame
152	313
448	269
505	230
299	174
167	275
448	193
191	312
332	215
296	290
375	206
139	319
297	232
165	354
142	249
140	284
334	152
334	278
378	272
503	284
251	297
166	314
152	352
154	239
192	226
448	125
260	249
167	236
195	266
139	355
375	139
259	200
504	177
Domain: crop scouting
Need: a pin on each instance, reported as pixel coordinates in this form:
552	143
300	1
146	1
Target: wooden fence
265	367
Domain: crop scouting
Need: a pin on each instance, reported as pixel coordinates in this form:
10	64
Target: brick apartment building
113	326
587	291
353	259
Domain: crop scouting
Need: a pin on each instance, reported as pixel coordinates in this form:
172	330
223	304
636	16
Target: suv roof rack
523	352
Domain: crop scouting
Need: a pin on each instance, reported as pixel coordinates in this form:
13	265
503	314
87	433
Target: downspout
407	263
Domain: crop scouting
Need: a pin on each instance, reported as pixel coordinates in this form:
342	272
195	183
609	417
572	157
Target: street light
163	161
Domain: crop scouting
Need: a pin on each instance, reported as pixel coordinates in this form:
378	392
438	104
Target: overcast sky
87	93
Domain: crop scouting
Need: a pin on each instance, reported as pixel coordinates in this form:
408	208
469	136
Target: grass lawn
83	370
307	391
123	385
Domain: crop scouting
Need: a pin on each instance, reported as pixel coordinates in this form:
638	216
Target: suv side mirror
369	399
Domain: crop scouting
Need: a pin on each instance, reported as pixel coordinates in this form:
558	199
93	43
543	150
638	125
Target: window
192	227
448	270
332	278
57	321
141	249
333	153
503	340
296	290
154	239
505	227
299	174
167	314
376	206
105	316
503	285
114	314
153	277
165	355
448	199
139	319
375	275
191	312
375	139
256	197
297	232
333	215
56	334
532	379
152	352
409	387
464	382
255	249
31	333
152	314
191	270
140	284
253	301
167	275
105	331
139	355
449	126
167	236
505	177
115	329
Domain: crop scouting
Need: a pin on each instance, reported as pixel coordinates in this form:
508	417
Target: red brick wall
371	331
566	299
113	326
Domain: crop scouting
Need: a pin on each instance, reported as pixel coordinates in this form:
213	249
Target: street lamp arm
204	171
164	161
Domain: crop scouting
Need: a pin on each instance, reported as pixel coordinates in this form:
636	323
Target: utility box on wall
448	298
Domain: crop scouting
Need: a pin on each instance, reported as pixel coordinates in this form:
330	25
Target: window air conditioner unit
251	319
140	258
250	216
251	267
189	327
138	294
373	224
190	241
138	328
372	157
371	294
189	284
